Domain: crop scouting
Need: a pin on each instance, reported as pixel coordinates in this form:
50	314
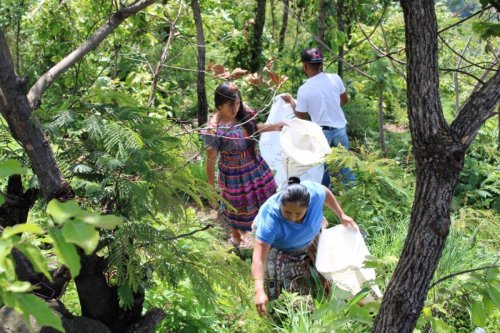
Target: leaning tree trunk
258	29
439	152
17	111
200	36
284	23
16	106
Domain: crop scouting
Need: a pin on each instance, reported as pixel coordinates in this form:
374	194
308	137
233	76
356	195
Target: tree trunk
258	29
284	23
26	128
439	152
273	19
323	4
200	36
341	27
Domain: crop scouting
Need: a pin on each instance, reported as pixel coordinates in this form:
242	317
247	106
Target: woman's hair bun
293	180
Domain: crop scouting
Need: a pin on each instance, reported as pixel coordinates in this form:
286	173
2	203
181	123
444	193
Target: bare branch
486	73
477	110
463	72
329	48
455	77
400	72
465	19
370	34
375	47
444	278
163	57
458	54
44	82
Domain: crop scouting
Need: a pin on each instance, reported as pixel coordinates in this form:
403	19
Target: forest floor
245	249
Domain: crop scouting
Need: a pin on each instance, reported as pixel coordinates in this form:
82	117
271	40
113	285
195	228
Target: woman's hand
287	98
279	125
347	221
261	301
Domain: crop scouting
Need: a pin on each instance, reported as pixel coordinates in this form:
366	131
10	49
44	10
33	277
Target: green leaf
81	234
32	305
2	200
494	295
6	246
11	167
20	228
103	221
19	287
477	313
359	296
62	212
439	326
66	252
36	258
126	297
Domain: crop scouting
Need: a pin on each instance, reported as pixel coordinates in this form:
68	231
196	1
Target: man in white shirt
321	96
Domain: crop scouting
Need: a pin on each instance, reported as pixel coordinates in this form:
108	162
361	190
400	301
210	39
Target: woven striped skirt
246	182
293	271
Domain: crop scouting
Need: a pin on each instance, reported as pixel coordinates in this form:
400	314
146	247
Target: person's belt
328	128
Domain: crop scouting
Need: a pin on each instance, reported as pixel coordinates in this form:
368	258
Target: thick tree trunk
200	36
16	110
284	24
439	154
258	30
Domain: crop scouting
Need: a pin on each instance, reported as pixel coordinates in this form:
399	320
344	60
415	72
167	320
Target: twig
446	277
455	77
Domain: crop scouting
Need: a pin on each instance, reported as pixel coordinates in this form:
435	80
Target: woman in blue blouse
287	231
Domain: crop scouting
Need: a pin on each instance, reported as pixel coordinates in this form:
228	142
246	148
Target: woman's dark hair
229	92
295	192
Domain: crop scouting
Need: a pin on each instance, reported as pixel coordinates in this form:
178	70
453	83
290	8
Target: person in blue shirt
287	229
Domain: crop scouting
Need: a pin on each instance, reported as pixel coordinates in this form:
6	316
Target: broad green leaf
492	274
19	287
66	252
439	326
32	305
8	269
11	167
494	295
36	258
477	313
81	234
6	246
103	221
2	200
62	212
489	307
20	228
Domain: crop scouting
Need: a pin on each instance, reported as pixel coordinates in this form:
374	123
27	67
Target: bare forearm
270	127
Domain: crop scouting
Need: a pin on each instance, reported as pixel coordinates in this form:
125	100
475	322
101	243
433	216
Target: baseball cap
312	56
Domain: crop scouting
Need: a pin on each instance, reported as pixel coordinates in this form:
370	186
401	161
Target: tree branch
163	57
465	19
455	78
44	82
477	110
446	277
